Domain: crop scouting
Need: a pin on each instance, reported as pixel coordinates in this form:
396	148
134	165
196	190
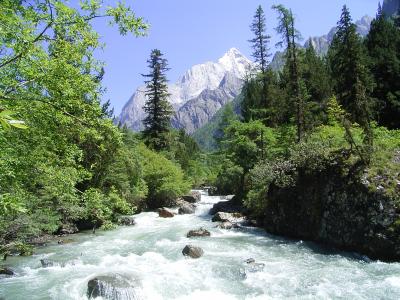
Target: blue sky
189	32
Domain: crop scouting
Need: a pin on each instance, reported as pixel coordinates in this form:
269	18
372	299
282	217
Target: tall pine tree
352	79
158	120
260	41
261	54
297	88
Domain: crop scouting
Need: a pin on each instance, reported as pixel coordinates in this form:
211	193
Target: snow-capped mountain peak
199	78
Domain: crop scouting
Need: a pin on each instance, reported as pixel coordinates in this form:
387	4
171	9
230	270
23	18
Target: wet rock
87	224
201	232
165	213
228	217
227	225
68	228
126	221
111	287
192	251
186	208
250	223
231	206
250	261
42	240
6	271
253	266
65	241
46	263
194	197
212	191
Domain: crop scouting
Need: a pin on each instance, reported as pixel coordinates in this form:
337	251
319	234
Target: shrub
165	179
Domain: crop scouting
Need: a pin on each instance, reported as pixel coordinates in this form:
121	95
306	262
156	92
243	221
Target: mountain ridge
190	86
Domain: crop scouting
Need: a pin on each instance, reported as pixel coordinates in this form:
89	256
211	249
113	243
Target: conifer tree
261	53
158	120
379	12
289	37
383	42
353	81
317	81
260	41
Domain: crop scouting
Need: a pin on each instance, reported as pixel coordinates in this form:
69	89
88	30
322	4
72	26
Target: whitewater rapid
150	254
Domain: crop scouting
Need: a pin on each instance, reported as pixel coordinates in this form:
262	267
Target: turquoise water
149	253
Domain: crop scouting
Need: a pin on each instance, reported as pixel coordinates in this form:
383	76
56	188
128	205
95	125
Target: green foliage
353	80
165	180
245	143
328	146
67	163
7	121
124	17
317	83
229	178
383	42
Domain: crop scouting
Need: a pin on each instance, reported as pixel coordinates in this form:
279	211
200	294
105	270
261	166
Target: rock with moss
201	232
6	271
335	207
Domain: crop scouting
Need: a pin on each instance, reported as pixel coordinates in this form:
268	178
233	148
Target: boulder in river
230	217
212	191
6	271
186	208
194	197
227	225
201	232
165	213
46	263
126	221
192	251
252	266
64	241
231	206
111	287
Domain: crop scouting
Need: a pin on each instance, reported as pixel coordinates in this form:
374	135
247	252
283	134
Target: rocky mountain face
321	44
199	111
198	94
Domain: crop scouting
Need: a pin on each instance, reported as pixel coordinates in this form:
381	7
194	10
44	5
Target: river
150	254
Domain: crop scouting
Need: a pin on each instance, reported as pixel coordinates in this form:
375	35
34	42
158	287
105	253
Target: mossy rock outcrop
336	209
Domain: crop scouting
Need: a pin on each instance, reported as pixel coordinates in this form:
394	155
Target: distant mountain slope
199	111
205	136
198	94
